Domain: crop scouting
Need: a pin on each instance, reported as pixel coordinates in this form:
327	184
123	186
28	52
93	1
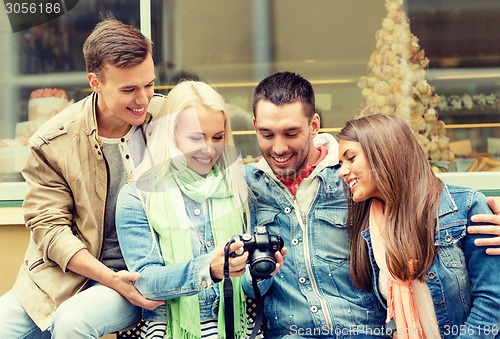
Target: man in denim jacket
299	197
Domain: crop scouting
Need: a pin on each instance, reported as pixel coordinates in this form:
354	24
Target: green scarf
167	215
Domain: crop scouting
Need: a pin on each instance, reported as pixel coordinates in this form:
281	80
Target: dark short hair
285	88
114	42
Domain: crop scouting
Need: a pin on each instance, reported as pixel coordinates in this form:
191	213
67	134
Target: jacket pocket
35	264
330	237
266	216
38	264
448	242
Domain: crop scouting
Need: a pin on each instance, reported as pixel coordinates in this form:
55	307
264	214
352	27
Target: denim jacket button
209	243
431	275
441	303
266	180
314	309
302	280
447	238
295	242
204	284
197	211
287	210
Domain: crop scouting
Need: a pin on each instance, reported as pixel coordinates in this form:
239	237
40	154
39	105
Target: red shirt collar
293	185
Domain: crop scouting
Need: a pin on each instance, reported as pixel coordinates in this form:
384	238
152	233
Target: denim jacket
463	280
141	251
312	295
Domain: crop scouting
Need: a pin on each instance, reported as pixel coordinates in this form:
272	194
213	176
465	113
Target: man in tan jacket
73	282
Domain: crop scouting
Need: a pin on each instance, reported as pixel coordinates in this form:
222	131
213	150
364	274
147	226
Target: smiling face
123	95
356	172
199	135
285	136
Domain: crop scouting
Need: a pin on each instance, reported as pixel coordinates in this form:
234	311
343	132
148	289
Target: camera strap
259	309
228	295
229	302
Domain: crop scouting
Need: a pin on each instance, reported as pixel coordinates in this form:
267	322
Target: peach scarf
413	320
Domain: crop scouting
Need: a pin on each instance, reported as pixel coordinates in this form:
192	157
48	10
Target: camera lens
262	267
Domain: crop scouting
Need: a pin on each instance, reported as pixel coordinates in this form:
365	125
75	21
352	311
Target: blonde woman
173	222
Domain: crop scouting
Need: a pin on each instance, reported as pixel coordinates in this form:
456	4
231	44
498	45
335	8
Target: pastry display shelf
472	115
452	80
49	80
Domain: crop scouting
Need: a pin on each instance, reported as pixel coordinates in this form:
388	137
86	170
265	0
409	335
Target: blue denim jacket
141	251
463	280
312	295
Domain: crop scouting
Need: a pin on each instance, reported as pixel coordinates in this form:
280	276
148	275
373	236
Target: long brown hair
410	191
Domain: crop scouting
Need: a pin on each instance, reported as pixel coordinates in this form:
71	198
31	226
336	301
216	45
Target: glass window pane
234	44
45	56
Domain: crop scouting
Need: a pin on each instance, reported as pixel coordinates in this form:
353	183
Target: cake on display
43	104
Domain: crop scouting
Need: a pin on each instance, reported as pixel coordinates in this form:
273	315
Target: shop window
234	44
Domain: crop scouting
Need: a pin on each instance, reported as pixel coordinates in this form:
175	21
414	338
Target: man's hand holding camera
261	247
262	251
279	257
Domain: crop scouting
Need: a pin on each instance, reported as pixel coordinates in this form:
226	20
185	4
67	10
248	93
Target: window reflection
234	44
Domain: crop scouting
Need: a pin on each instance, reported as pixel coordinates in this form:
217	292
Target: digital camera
261	247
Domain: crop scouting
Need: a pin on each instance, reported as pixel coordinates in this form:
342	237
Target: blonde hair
162	149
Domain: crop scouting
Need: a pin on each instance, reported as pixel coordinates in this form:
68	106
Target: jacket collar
446	202
90	118
332	158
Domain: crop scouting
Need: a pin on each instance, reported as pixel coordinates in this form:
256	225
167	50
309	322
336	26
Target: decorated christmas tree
396	83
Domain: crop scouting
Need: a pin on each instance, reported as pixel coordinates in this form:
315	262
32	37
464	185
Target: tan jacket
64	206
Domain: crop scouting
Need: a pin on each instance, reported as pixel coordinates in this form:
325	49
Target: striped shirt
157	329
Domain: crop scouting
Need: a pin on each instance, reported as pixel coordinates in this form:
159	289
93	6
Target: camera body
261	247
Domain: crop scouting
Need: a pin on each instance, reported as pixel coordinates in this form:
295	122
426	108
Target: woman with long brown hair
408	235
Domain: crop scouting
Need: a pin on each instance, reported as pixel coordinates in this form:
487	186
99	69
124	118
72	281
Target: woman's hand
236	265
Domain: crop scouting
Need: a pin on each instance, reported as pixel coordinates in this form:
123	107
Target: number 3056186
45	7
